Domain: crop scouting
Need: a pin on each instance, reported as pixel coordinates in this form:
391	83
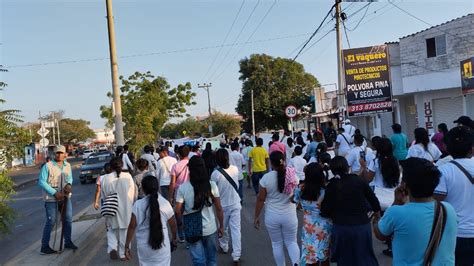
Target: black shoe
387	252
47	251
70	246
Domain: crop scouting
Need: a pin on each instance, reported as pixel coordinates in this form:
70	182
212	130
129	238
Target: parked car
87	153
103	147
93	167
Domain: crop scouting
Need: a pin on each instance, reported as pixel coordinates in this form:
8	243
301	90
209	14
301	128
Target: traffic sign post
44	142
291	112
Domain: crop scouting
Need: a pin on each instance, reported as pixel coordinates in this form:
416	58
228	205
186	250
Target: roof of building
392	42
435	26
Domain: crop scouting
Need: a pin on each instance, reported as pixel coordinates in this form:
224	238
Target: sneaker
70	246
47	251
223	251
236	261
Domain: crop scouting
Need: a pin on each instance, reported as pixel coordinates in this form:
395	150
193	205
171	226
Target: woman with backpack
149	223
194	205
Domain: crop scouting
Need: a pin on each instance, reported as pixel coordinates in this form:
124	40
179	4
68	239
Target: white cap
347	121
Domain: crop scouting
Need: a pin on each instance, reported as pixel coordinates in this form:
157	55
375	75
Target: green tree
71	130
225	123
190	127
12	141
148	102
277	83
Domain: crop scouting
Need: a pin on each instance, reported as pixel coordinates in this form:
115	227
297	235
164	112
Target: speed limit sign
290	111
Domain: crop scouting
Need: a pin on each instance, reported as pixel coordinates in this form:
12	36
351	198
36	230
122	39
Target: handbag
193	226
110	206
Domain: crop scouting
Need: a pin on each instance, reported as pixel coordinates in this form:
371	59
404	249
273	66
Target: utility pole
54	128
119	137
59	135
340	86
206	86
253	113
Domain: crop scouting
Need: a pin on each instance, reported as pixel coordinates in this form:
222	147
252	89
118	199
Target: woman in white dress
122	184
151	216
423	148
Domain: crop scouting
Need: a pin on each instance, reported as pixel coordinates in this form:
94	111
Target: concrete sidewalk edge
33	251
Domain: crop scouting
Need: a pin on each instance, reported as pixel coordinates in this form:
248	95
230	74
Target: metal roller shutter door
446	110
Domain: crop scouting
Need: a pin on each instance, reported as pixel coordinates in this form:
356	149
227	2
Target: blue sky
157	33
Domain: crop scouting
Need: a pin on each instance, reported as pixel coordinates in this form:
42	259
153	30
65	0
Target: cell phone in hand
362	155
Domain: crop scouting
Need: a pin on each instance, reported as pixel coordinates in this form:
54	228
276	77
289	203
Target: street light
206	86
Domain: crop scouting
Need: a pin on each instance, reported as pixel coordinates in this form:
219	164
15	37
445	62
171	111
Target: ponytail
116	164
150	187
278	164
156	227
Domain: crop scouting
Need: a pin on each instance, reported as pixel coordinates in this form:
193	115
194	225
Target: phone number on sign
369	106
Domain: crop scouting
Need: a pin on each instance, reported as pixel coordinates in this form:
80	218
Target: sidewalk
84	223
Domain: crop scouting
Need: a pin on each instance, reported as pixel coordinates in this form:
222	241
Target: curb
60	259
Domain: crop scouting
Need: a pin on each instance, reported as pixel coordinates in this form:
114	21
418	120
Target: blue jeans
464	251
204	252
51	212
256	176
241	193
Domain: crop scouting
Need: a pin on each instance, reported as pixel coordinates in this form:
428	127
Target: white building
104	135
426	80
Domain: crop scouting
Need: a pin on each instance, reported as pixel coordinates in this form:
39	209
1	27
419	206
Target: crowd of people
416	197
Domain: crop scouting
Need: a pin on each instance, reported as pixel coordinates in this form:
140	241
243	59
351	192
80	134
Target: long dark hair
313	182
421	136
199	178
388	163
444	128
222	158
119	151
116	164
277	160
300	141
150	187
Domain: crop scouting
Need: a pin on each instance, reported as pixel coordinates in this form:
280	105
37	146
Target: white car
103	147
87	153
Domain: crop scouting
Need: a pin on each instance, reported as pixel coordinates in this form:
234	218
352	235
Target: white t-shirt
344	143
349	129
142	233
298	163
289	152
459	193
236	159
163	172
229	196
191	154
353	157
276	202
418	151
186	195
151	161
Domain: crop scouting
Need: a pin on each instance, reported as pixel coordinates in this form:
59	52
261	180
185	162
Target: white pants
282	230
232	222
116	240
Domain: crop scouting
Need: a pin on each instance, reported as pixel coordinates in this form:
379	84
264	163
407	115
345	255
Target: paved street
256	246
28	204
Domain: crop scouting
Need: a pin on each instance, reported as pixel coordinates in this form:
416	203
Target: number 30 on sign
290	111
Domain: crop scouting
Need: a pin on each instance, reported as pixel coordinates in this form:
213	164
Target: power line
163	52
362	18
345	33
248	39
225	39
314	33
235	40
317	41
429	24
